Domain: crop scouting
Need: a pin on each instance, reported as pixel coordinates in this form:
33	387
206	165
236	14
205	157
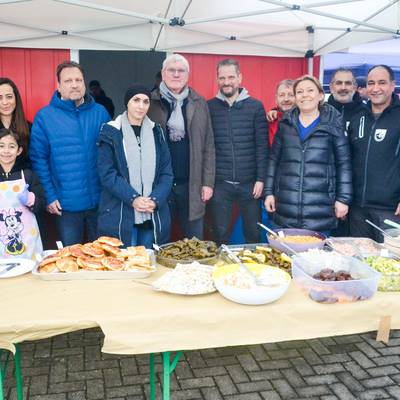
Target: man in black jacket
344	96
241	147
374	135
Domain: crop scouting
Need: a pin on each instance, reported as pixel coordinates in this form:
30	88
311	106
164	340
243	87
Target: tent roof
248	27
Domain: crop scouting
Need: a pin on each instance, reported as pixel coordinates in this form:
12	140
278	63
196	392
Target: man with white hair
184	116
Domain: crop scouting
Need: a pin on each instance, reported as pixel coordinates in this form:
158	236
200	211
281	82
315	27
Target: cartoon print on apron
19	232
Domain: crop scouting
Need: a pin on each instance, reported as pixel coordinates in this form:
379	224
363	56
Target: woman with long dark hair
12	114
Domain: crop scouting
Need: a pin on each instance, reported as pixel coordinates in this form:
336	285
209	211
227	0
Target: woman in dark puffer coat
308	181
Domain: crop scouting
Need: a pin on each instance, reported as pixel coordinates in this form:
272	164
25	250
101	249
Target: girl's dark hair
19	124
8	132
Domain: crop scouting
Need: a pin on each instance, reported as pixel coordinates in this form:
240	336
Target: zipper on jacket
300	203
232	145
120	221
366	165
154	228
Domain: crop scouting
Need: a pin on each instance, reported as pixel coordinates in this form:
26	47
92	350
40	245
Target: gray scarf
176	123
141	159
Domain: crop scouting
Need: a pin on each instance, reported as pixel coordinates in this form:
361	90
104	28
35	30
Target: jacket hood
243	94
69	105
354	104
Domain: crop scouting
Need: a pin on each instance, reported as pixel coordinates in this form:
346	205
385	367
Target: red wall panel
260	74
33	71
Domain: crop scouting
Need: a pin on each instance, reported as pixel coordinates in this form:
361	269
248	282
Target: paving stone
76	363
210	371
335	358
66	387
247	396
211	393
348	339
367	349
76	395
342	348
293	344
186	395
123	391
38	385
361	359
320	379
302	367
349	381
311	391
293	377
85	375
341	391
394	391
196	383
387	360
237	373
261	375
218	361
212	353
248	362
61	396
329	397
382	381
253	386
112	377
310	356
284	389
195	359
58	370
225	385
128	366
318	347
383	371
95	389
275	364
374	395
389	351
135	379
270	395
283	354
355	370
329	368
258	352
183	370
231	351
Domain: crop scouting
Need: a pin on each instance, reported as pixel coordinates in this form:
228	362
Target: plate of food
101	259
11	267
187	279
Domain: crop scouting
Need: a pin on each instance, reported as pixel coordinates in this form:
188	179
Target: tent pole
310	66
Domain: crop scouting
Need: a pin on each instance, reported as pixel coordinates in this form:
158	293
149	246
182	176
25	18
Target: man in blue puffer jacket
64	154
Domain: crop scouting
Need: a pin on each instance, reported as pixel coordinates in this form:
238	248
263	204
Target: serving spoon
278	237
392	223
379	229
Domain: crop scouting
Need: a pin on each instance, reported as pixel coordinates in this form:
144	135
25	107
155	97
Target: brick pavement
71	367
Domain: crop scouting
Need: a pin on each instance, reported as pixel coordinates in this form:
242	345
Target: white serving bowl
255	295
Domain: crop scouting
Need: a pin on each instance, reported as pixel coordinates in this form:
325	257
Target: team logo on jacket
380	134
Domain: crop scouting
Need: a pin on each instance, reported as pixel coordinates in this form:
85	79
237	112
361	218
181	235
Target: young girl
21	195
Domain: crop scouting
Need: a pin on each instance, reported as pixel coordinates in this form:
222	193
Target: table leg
18	375
152	378
168	369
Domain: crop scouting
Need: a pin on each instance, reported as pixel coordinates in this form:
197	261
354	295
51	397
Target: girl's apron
19	232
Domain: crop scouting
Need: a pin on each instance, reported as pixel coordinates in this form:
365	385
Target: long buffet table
136	319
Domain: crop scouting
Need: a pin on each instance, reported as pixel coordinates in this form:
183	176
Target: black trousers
225	194
358	226
179	207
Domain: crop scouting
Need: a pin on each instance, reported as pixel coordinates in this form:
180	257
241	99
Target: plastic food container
362	288
254	295
390	272
355	247
392	244
298	247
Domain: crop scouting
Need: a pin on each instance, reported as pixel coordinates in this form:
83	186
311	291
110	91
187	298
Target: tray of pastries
101	259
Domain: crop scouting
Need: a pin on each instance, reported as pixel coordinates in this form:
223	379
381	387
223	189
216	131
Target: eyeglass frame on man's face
176	71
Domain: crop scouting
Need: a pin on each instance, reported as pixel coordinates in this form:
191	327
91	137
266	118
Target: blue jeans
72	226
142	236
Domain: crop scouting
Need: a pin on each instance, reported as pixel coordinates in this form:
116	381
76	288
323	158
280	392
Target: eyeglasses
174	71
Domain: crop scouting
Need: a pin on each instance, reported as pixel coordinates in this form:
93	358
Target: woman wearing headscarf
135	171
309	180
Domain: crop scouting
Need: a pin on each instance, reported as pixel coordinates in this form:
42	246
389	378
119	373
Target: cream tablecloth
135	319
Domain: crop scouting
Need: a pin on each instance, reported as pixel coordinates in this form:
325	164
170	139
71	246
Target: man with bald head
374	135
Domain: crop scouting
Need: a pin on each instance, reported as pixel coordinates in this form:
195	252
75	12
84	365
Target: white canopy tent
246	27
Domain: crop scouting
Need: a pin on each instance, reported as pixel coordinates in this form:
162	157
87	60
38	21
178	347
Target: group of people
171	152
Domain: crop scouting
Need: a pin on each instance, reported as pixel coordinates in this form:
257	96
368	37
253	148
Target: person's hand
258	189
151	205
206	193
272	115
140	204
270	203
54	208
397	212
341	209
